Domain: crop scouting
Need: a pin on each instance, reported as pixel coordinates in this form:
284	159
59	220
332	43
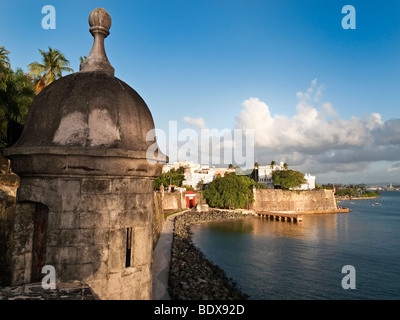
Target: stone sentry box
85	201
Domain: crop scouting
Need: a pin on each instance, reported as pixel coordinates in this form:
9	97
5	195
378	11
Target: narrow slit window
128	247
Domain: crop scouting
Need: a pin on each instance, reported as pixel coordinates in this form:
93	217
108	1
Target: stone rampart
158	218
86	235
297	201
173	201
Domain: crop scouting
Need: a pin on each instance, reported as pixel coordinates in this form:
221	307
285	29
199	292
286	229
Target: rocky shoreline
191	275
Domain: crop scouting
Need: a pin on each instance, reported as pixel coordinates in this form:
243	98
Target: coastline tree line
351	190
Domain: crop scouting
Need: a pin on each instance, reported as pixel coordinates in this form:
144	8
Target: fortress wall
287	200
173	201
158	218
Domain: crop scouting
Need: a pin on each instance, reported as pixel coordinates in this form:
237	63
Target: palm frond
53	65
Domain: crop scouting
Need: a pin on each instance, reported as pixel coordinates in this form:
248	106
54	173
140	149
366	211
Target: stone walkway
74	290
162	259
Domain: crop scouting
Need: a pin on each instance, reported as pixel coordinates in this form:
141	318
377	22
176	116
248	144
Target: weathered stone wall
173	201
25	219
5	236
302	201
200	199
158	217
87	232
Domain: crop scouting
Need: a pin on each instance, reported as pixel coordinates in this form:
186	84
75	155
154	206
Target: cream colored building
265	176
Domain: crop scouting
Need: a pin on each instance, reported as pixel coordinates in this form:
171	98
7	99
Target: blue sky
221	64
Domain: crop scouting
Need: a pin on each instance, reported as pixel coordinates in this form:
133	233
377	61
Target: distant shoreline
356	198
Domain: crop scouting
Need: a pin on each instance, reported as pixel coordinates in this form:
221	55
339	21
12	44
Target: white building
177	165
265	176
198	173
309	185
193	172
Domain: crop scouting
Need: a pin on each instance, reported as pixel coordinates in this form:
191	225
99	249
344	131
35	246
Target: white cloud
306	131
374	121
328	108
197	122
316	138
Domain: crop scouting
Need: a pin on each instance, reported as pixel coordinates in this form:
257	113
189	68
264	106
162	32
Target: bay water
272	260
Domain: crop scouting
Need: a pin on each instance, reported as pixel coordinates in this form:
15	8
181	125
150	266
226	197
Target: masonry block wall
285	200
173	201
97	230
158	218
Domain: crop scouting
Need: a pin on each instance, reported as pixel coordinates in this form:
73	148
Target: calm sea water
283	260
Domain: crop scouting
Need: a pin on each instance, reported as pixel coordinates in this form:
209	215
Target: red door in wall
190	199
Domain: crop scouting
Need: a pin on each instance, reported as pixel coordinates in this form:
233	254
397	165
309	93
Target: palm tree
255	171
285	166
54	63
272	165
4	66
4	60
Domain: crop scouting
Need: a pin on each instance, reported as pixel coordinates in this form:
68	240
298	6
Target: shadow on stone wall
6	218
158	218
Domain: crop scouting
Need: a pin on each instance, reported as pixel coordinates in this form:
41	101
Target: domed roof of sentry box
90	112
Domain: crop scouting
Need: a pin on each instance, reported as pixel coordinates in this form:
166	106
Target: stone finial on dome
100	24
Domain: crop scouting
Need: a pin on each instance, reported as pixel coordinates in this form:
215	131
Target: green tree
260	185
4	60
285	166
230	192
172	177
200	184
288	179
53	65
239	170
354	191
188	188
273	163
4	66
16	95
